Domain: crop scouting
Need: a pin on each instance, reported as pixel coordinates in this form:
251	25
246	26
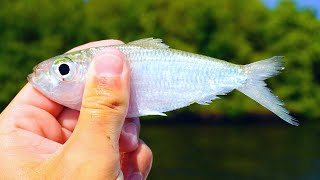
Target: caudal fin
255	87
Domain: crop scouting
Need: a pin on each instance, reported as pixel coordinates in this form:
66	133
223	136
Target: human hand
40	139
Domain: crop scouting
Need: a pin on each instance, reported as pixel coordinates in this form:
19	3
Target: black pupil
64	69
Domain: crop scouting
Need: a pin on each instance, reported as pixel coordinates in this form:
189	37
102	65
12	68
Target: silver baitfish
162	79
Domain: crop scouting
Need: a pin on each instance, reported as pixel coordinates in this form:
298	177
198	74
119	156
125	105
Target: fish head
61	79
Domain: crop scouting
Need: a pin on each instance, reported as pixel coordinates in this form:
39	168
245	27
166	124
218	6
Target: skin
40	139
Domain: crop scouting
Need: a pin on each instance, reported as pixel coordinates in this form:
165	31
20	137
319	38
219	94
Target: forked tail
255	87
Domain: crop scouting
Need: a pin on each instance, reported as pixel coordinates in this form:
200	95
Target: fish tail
255	87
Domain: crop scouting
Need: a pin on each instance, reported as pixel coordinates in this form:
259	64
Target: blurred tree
32	31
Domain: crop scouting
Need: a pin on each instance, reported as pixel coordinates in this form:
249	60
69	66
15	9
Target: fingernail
136	176
131	129
108	64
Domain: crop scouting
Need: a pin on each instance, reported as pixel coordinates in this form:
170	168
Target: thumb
106	98
104	108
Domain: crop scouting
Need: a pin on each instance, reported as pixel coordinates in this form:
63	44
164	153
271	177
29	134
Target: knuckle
97	108
110	103
149	160
106	94
148	154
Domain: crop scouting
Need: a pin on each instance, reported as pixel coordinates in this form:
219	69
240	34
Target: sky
314	4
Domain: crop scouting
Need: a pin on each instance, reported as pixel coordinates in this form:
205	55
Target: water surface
213	151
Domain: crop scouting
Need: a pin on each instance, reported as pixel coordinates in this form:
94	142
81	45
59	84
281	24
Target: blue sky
314	4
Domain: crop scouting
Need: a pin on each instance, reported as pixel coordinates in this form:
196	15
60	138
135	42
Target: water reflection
195	151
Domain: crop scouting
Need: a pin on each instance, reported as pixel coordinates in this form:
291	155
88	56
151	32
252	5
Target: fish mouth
30	78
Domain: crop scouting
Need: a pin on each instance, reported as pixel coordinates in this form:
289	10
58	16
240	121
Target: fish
162	79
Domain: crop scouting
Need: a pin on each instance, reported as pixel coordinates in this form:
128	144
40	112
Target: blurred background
234	137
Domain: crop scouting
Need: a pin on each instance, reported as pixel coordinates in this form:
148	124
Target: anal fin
207	100
149	112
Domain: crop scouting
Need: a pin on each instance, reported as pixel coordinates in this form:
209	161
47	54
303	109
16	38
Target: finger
137	164
30	96
108	42
68	118
41	123
129	135
104	108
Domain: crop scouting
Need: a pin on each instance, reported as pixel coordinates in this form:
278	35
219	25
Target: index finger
30	96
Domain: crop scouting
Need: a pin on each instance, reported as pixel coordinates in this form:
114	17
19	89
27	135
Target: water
206	151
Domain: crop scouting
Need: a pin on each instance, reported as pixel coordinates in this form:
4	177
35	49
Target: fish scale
162	79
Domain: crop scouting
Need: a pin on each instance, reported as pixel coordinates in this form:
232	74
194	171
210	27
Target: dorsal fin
149	43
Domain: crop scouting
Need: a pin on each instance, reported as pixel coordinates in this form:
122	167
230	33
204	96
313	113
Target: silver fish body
176	79
162	79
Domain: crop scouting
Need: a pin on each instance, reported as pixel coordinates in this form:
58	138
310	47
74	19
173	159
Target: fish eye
64	69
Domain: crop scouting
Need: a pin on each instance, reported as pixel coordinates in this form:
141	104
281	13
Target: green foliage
31	31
